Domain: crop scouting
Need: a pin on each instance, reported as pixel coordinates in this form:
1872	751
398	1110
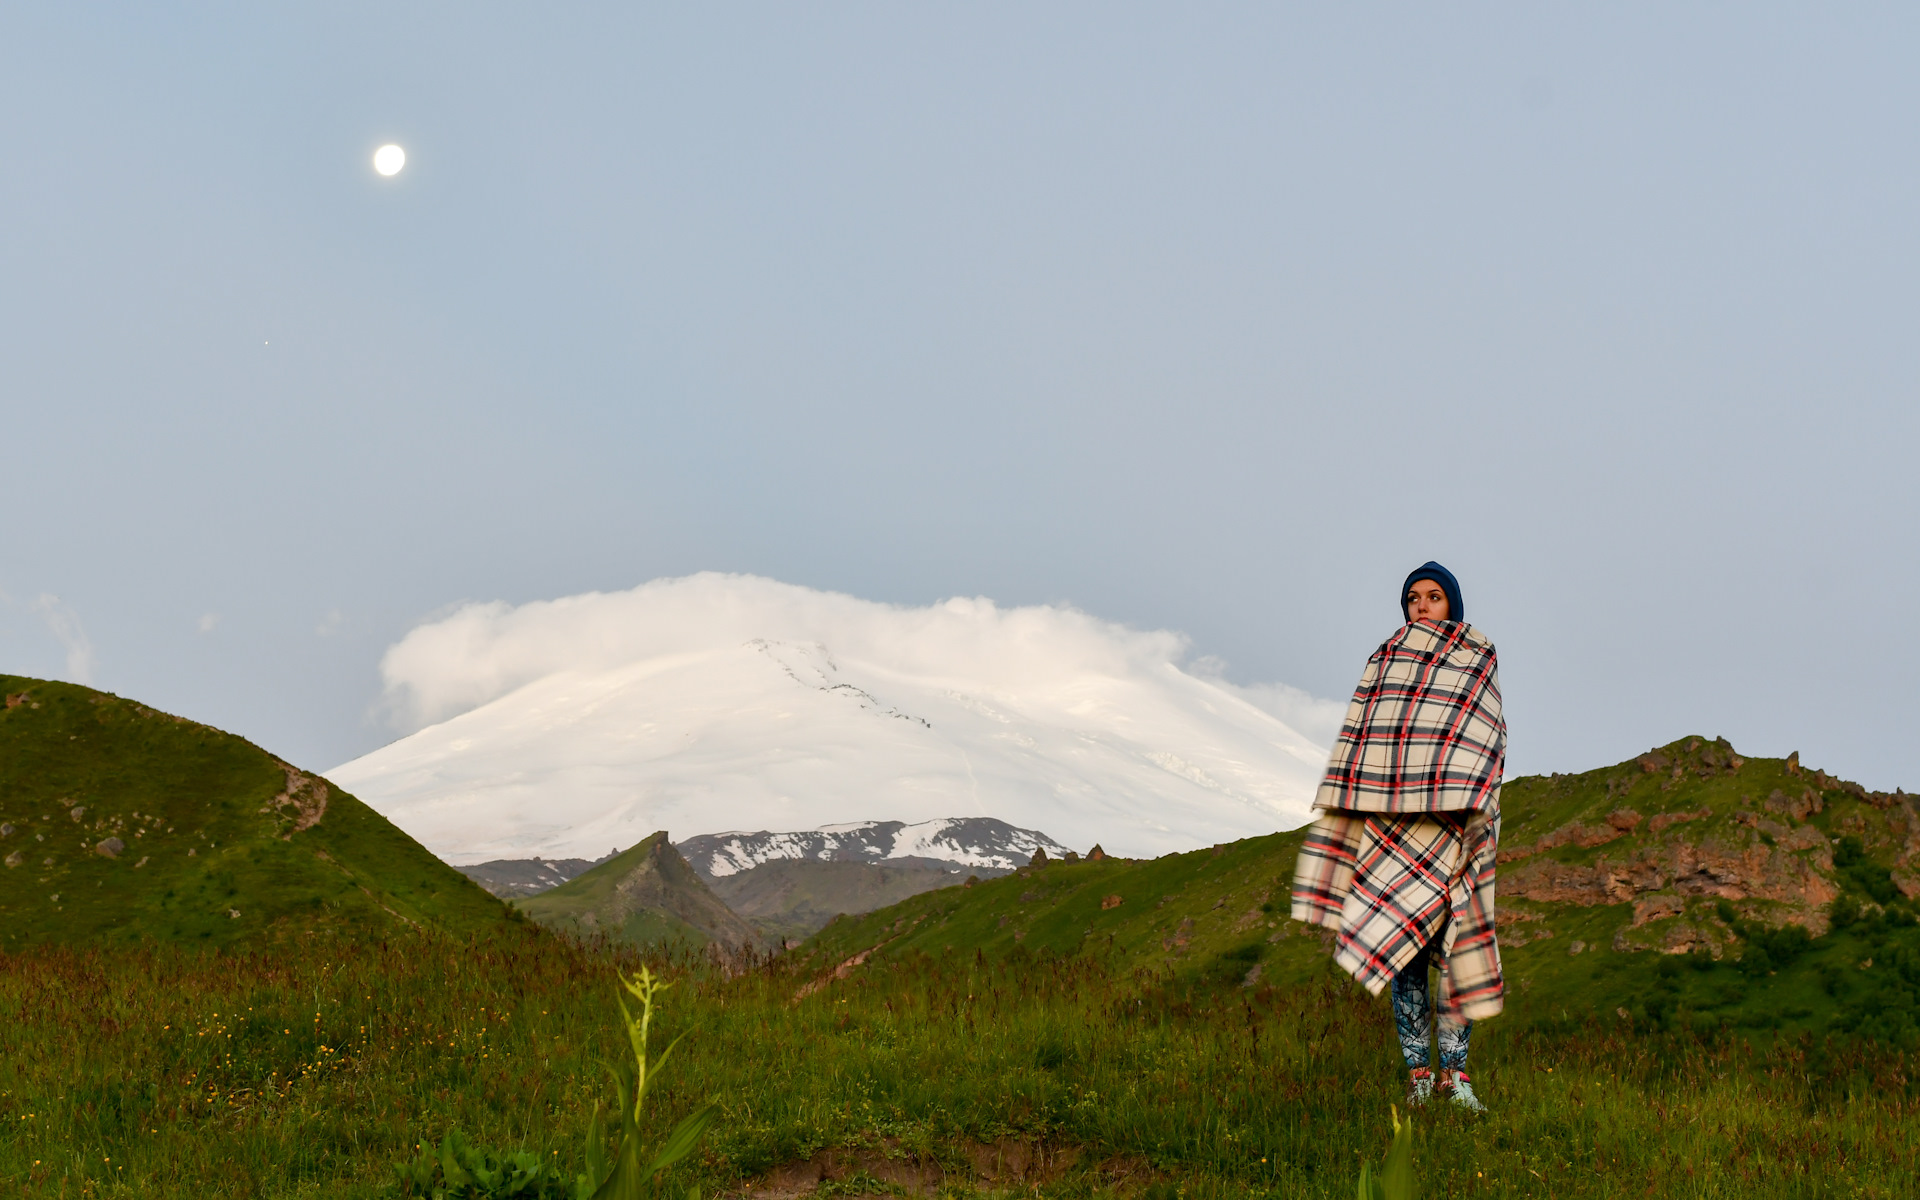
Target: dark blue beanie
1456	608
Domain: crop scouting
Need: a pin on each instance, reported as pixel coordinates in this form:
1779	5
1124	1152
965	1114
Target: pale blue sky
1213	318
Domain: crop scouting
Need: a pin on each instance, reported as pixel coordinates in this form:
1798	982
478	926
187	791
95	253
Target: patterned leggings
1413	1017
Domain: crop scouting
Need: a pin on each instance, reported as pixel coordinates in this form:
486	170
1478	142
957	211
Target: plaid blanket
1423	733
1387	884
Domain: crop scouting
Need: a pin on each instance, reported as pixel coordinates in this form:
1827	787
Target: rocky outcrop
301	804
1710	867
1687	826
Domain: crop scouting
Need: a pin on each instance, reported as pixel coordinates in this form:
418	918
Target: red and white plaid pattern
1424	732
1387	884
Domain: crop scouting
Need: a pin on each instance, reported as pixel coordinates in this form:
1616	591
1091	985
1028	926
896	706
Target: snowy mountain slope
599	719
962	841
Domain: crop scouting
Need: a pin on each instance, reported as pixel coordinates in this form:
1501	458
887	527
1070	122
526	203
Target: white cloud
715	703
64	623
208	621
332	623
481	652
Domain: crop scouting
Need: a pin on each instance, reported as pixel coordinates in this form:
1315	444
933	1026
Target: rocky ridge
645	895
1684	829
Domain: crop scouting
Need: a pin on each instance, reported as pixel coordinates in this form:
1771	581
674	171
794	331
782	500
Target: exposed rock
6	831
78	811
1108	902
110	848
1709	868
1798	807
1039	858
1806	837
1624	819
1657	907
1681	937
16	858
1907	881
304	800
1571	834
1663	821
1096	854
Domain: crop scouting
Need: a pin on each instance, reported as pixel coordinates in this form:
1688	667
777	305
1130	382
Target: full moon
389	159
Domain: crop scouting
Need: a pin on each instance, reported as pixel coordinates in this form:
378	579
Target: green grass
1210	916
193	807
144	1072
1028	1034
645	895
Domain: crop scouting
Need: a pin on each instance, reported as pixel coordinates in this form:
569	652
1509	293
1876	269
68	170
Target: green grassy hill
1688	887
119	823
791	898
646	894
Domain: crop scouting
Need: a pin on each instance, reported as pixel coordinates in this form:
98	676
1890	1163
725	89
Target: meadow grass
160	1072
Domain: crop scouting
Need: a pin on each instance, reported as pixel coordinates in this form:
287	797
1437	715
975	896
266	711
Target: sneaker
1459	1089
1419	1087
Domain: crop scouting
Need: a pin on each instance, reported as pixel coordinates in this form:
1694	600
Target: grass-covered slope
119	823
1688	886
645	895
790	898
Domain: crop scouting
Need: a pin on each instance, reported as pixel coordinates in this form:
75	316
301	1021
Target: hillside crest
645	894
121	823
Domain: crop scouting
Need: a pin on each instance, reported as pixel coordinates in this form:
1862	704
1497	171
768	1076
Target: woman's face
1427	601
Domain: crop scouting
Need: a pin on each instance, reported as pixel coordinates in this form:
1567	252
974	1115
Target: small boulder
16	858
110	848
1110	902
78	811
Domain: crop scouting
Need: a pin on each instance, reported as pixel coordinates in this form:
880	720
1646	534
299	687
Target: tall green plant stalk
631	1175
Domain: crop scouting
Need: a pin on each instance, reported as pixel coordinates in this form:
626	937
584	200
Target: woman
1400	861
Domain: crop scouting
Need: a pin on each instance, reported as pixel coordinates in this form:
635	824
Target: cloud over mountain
720	702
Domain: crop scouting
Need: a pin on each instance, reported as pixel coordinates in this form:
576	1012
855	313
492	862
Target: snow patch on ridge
964	841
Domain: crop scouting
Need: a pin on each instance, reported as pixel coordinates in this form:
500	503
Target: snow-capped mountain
734	703
963	841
